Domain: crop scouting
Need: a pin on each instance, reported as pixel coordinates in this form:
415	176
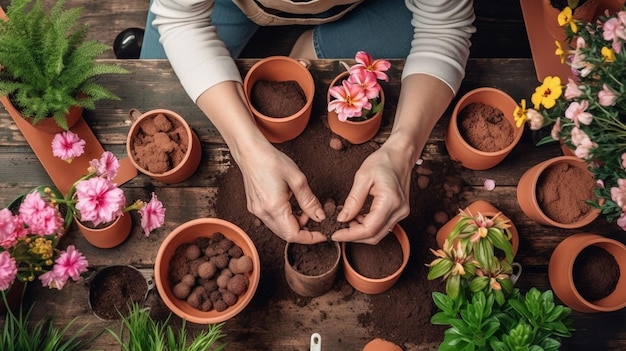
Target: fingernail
341	217
320	214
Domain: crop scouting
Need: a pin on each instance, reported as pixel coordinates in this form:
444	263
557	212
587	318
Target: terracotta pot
48	125
381	345
585	12
356	132
560	273
14	296
461	151
310	285
108	237
527	193
486	209
187	233
281	68
190	162
376	286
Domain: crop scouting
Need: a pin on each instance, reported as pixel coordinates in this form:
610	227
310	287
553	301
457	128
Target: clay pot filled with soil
279	91
545	193
585	272
373	269
113	289
161	145
207	270
482	130
311	270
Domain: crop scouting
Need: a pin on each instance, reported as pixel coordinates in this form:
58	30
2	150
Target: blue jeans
382	28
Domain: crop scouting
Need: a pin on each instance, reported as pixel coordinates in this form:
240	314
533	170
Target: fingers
307	201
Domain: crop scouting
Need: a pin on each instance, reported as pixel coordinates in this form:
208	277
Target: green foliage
145	333
531	322
18	334
47	64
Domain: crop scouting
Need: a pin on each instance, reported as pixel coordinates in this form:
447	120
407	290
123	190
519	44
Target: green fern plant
46	63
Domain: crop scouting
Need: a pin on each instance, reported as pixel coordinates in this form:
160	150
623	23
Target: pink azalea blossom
11	228
67	146
107	166
99	200
41	217
52	281
378	67
577	112
71	263
618	194
571	90
606	96
152	215
349	100
8	270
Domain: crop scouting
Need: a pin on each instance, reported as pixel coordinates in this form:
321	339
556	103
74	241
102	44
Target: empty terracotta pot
310	285
189	162
561	268
281	68
376	285
460	150
527	193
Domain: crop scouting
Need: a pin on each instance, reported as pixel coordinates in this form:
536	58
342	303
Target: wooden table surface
152	84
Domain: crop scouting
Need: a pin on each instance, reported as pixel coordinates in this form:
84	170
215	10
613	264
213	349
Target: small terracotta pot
470	157
108	237
527	193
356	132
381	345
310	285
190	162
188	232
585	12
48	125
560	273
486	209
376	286
281	68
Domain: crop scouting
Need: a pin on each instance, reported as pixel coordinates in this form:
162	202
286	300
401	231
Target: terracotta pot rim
460	105
541	167
191	137
309	99
302	275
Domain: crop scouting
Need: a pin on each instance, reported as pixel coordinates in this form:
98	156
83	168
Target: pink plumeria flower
41	217
11	228
152	215
365	62
8	270
367	81
577	112
67	146
99	200
70	263
107	166
349	100
606	96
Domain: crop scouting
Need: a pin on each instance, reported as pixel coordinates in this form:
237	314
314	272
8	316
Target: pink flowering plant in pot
358	98
587	113
30	230
94	199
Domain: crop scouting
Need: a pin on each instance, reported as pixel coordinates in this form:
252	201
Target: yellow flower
42	247
565	18
520	113
547	93
560	51
608	54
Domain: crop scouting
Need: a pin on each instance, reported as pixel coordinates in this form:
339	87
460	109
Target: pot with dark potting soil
545	193
162	145
109	235
207	270
482	130
586	273
280	91
113	290
585	11
311	270
373	269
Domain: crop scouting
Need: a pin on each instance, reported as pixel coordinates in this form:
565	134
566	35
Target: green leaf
439	269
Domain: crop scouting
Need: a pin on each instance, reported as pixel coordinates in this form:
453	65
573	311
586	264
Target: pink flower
606	96
53	281
378	67
556	129
107	166
152	215
367	81
41	217
618	194
99	200
67	146
621	221
8	270
11	228
577	112
349	100
583	150
571	90
71	263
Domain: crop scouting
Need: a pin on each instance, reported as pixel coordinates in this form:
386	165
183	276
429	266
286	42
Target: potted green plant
48	66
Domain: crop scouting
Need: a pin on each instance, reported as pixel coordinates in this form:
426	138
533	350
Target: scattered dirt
485	128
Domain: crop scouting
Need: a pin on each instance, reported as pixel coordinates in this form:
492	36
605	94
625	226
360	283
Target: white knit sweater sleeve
440	45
